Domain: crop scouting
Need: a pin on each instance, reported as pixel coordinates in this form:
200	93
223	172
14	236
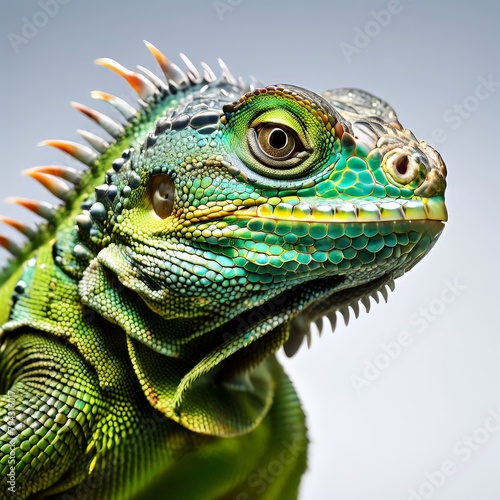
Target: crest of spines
66	182
338	305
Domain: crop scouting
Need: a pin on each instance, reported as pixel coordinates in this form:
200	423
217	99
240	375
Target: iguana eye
162	195
281	133
275	145
276	142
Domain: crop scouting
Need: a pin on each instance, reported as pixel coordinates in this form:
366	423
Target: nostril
401	164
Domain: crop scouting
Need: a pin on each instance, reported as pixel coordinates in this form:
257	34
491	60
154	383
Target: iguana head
237	216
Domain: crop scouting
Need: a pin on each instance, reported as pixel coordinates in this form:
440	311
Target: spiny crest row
298	334
150	89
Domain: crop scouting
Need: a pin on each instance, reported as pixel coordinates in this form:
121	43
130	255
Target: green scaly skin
142	320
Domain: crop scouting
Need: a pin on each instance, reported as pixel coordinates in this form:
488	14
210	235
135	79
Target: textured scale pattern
217	221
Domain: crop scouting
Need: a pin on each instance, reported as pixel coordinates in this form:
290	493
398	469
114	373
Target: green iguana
212	227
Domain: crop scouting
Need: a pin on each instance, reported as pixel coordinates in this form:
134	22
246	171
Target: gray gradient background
381	442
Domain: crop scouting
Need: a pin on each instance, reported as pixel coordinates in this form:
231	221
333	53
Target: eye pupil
277	142
278	138
276	150
163	191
